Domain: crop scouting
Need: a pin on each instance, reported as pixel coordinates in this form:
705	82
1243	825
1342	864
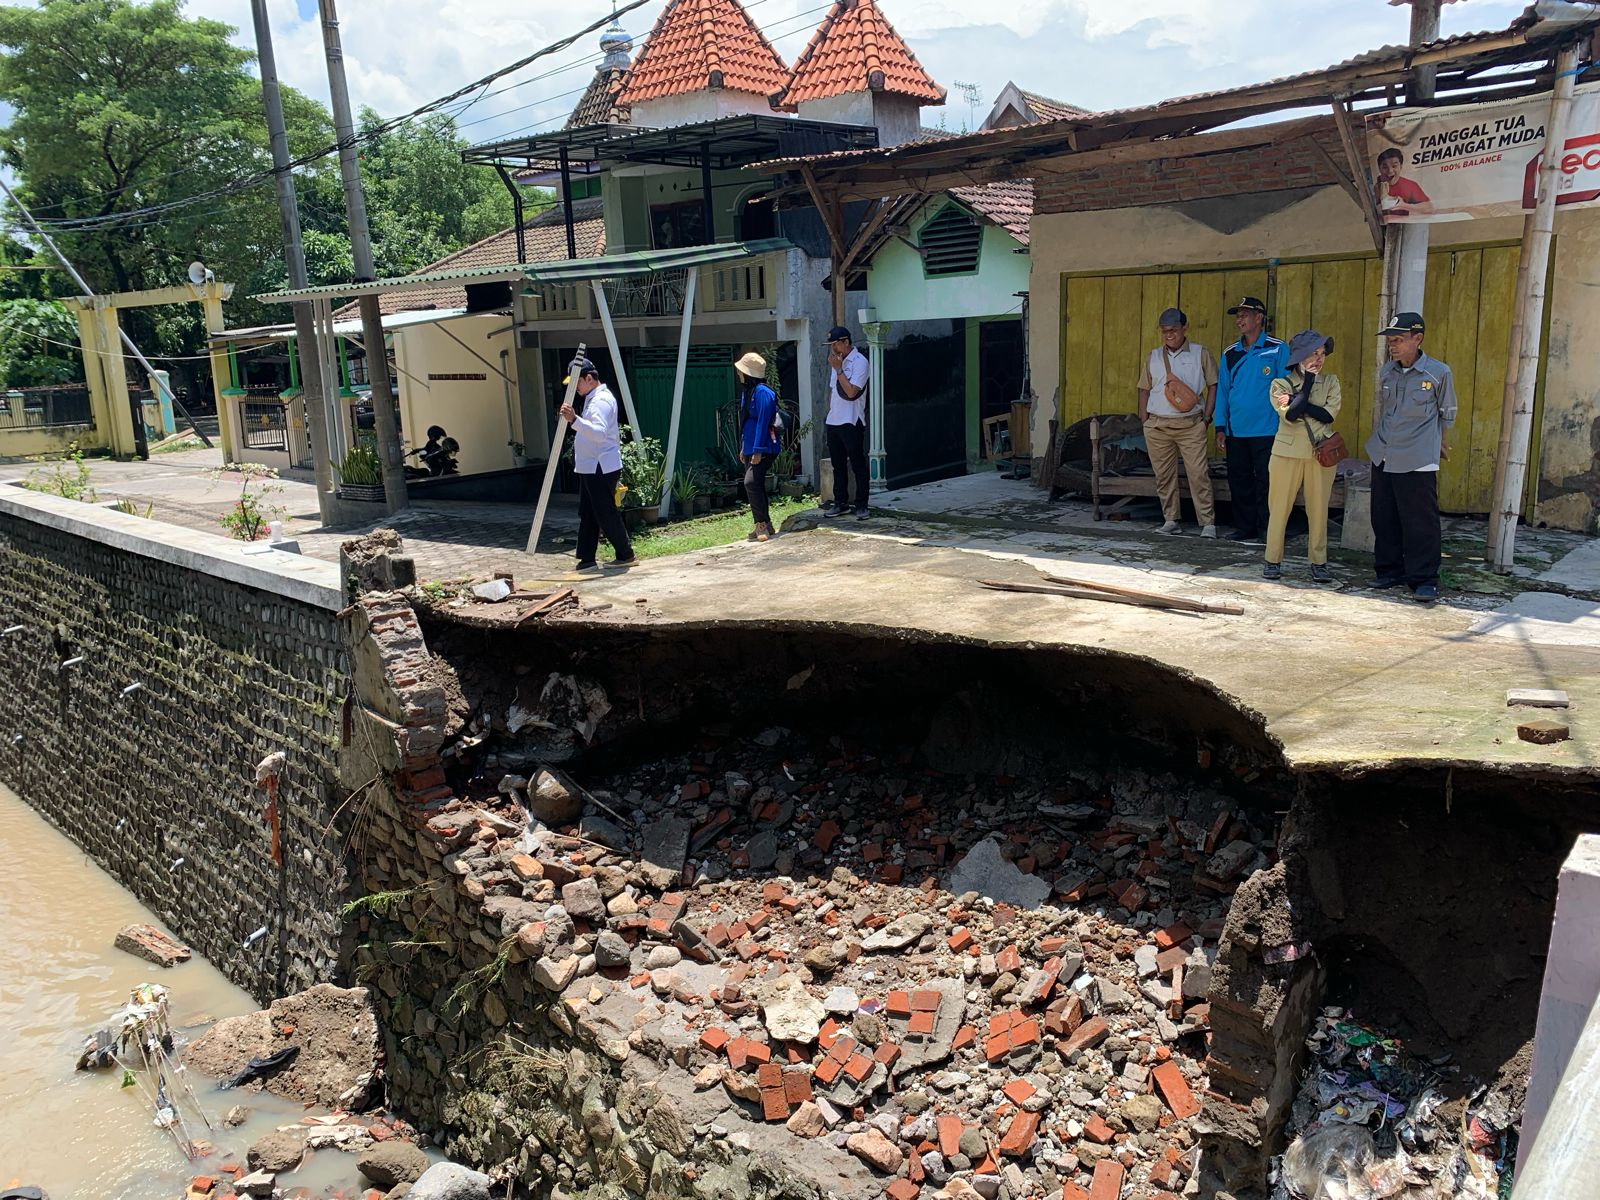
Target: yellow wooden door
1109	324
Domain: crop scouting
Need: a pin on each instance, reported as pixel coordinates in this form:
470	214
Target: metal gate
266	426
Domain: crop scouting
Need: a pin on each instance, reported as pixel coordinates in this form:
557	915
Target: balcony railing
751	283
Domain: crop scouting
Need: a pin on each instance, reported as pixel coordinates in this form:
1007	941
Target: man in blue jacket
1245	419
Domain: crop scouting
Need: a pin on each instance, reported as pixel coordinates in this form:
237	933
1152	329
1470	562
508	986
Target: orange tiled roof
1047	109
545	237
598	105
1008	204
855	49
700	45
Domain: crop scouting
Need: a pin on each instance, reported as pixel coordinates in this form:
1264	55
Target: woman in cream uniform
1307	401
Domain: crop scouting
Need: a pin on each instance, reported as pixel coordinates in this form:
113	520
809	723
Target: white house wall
472	409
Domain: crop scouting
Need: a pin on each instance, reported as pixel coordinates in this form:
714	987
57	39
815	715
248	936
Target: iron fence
46	408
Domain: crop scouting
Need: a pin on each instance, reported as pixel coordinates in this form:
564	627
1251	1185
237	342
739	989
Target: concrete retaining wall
237	656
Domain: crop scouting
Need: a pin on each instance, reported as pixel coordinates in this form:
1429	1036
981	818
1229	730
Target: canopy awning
577	270
257	334
721	144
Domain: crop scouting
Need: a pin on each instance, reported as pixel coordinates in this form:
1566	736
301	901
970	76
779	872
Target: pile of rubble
973	986
1373	1120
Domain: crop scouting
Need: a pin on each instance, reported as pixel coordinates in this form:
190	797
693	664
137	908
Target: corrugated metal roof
640	262
544	237
648	262
1261	97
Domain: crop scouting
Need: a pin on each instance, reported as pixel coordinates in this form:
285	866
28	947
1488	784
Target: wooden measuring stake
557	445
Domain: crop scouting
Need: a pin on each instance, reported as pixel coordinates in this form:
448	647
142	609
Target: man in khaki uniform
1176	392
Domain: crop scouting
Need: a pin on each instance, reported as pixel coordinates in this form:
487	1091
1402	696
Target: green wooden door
707	390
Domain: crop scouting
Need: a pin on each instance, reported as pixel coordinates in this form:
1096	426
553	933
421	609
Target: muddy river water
78	1133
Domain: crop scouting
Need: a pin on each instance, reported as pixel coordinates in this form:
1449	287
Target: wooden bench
1129	481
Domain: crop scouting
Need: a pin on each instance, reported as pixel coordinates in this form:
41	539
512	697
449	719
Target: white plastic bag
1331	1164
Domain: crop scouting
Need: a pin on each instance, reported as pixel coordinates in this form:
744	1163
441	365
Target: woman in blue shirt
758	438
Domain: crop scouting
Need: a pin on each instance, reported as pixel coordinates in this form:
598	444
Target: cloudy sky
1096	53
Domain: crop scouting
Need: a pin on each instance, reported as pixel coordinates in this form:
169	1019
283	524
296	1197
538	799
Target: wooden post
557	444
1530	315
677	391
616	359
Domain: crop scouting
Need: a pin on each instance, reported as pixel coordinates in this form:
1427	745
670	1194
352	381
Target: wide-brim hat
751	365
1306	343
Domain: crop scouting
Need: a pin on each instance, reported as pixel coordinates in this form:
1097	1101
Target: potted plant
361	474
519	457
642	472
788	462
686	491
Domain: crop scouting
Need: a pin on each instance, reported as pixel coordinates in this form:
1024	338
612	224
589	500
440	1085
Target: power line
356	138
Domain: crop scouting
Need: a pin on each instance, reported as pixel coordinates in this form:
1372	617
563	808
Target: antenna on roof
974	94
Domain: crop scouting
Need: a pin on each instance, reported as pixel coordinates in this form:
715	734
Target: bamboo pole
1530	313
557	443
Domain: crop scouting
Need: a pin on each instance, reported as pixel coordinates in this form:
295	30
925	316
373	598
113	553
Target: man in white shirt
1176	392
597	464
847	422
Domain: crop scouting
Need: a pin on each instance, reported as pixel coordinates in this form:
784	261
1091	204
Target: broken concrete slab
1536	697
984	871
149	943
898	934
791	1013
664	847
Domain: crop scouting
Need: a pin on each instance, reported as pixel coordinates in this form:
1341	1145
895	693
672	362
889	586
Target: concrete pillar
221	376
877	333
1571	988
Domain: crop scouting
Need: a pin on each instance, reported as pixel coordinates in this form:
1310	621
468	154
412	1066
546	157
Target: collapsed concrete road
745	966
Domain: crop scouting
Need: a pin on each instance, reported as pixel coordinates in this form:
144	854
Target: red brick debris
774	918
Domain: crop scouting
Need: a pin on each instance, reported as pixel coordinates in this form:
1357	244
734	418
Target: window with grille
949	243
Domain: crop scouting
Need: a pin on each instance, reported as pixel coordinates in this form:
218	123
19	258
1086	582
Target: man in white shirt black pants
847	422
597	463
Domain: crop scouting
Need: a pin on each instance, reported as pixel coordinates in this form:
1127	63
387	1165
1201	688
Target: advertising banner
1480	160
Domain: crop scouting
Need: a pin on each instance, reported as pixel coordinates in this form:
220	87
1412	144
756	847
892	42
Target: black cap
1248	304
837	332
1405	322
582	366
1171	318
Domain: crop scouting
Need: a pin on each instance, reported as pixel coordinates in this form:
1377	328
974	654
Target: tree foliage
119	106
38	343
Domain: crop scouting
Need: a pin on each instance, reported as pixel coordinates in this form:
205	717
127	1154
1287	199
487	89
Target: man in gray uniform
1410	439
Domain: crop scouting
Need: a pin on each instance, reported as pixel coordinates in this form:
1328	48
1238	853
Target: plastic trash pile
1373	1120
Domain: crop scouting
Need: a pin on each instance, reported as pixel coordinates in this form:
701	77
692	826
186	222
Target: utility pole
155	380
311	396
355	204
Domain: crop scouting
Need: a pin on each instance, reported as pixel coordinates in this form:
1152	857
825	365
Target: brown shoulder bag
1179	394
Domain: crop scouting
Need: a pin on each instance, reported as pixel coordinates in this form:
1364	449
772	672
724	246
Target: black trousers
1405	525
1249	464
847	447
597	513
755	489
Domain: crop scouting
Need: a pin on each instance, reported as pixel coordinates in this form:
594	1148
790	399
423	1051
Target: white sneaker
1210	531
1169	527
